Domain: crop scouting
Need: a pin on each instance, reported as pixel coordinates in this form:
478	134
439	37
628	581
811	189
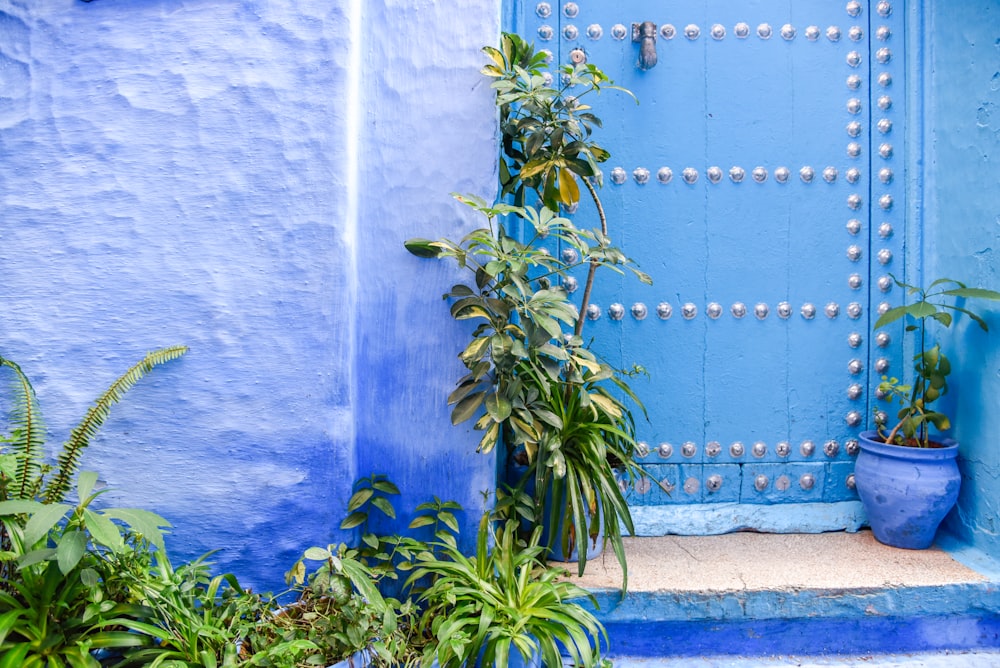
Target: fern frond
27	436
79	438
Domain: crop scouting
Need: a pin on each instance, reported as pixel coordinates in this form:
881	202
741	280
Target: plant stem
597	202
924	435
592	270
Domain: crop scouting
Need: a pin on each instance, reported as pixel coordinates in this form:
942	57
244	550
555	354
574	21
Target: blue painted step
804	636
756	595
941	659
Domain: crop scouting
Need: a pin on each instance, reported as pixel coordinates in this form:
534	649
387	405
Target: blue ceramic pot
360	659
514	660
906	491
594	547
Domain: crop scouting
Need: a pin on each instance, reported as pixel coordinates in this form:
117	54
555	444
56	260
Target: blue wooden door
759	181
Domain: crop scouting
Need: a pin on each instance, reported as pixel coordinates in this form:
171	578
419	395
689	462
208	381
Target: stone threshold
748	575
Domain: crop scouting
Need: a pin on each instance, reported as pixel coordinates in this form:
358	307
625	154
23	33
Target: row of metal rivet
689	310
714	483
831	448
717	31
759	174
853	8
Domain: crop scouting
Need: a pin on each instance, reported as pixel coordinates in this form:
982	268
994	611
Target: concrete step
762	596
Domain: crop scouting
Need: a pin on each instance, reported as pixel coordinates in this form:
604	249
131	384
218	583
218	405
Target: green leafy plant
532	383
339	611
53	608
342	606
937	302
579	462
192	618
547	142
520	317
503	600
30	476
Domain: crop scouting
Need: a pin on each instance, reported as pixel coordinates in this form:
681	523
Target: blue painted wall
961	216
430	127
238	177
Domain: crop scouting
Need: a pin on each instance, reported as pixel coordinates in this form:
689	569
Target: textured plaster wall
962	235
430	126
238	176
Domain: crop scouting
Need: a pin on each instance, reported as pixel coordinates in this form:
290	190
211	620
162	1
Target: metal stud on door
757	183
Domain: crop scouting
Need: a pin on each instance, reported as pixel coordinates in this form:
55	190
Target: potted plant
906	473
340	616
533	385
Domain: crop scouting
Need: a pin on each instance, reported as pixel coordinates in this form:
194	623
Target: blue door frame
760	182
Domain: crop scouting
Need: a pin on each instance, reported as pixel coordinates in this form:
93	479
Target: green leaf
103	530
143	522
939	420
495	267
467	407
937	380
890	316
498	407
423	248
42	521
470	311
489	439
317	554
475	350
71	548
942	317
8	621
386	487
931	356
354	519
384	505
36	557
89	577
466	386
85	484
421	521
449	521
921	309
973	293
359	498
15	657
19	507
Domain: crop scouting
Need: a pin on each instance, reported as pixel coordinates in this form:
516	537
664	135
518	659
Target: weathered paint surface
238	177
961	223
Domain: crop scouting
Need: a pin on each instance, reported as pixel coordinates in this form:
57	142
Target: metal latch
645	35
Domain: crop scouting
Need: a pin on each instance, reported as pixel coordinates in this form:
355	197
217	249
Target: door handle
644	34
